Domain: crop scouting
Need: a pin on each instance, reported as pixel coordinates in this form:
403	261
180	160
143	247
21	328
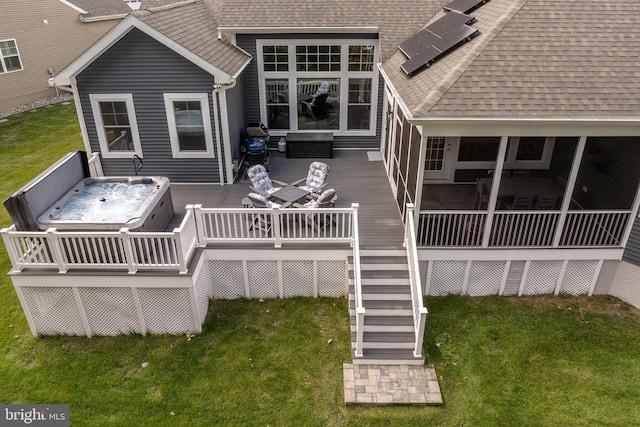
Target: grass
540	361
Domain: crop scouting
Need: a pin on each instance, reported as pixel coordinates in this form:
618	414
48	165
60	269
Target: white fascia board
73	6
291	30
529	126
119	31
103	18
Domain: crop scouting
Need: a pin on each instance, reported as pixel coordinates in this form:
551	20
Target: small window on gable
9	57
189	124
116	125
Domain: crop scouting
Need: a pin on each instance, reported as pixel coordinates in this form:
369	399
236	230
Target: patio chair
319	220
316	179
258	221
260	181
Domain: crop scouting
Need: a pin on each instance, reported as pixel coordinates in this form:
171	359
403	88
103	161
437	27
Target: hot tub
111	203
65	197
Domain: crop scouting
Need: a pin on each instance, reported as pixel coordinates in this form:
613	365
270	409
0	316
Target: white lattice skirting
167	303
535	277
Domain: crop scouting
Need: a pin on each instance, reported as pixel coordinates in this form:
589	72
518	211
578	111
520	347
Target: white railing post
180	253
200	228
631	218
276	217
14	257
56	250
128	250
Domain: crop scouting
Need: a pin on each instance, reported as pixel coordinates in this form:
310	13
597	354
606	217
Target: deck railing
419	310
522	228
360	311
275	225
122	249
172	250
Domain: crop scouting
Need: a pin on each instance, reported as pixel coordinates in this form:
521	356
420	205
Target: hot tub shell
32	208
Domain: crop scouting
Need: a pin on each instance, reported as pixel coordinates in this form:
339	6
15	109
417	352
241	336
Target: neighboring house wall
251	91
140	66
42	45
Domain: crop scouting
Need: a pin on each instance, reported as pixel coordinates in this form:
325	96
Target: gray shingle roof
191	25
100	8
535	58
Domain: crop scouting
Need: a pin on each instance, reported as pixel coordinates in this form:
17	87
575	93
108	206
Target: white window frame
343	75
203	98
4	70
127	98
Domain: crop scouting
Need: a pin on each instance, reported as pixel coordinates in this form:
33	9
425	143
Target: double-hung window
310	85
9	57
116	125
189	124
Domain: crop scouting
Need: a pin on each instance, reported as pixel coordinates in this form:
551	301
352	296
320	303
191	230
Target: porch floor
355	178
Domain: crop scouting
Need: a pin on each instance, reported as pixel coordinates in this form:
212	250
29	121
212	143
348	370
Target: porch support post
420	172
495	187
631	218
568	191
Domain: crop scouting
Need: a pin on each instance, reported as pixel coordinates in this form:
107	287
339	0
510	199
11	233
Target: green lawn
501	361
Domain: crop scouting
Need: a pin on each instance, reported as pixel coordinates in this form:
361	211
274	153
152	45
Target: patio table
290	194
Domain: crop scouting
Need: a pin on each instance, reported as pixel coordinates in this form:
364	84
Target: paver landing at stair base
379	385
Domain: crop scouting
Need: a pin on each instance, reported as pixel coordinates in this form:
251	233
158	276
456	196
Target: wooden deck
352	175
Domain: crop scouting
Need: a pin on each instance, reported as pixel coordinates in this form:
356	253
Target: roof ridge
454	73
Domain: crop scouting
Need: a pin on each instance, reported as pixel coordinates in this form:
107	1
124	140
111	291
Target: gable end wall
139	65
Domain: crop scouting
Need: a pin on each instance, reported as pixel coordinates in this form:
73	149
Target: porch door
437	163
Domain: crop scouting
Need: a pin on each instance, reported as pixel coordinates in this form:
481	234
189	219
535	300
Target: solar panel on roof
464	6
435	40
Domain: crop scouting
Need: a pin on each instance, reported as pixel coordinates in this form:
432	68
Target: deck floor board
351	174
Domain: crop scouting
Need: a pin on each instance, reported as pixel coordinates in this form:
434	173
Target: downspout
218	94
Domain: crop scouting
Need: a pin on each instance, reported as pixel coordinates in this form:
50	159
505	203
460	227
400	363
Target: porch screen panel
414	159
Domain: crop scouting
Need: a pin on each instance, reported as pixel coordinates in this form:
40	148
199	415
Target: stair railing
357	284
419	310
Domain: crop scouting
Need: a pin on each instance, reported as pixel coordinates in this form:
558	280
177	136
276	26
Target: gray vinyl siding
141	66
251	92
632	250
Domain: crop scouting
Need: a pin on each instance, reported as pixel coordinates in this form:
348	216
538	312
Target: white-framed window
116	125
9	56
189	124
311	85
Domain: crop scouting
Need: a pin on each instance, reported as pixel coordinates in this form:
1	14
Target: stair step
401	281
382	274
378	356
369	304
384	252
402	259
386	289
387	337
389	320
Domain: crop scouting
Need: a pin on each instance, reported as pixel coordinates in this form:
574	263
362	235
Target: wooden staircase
389	336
